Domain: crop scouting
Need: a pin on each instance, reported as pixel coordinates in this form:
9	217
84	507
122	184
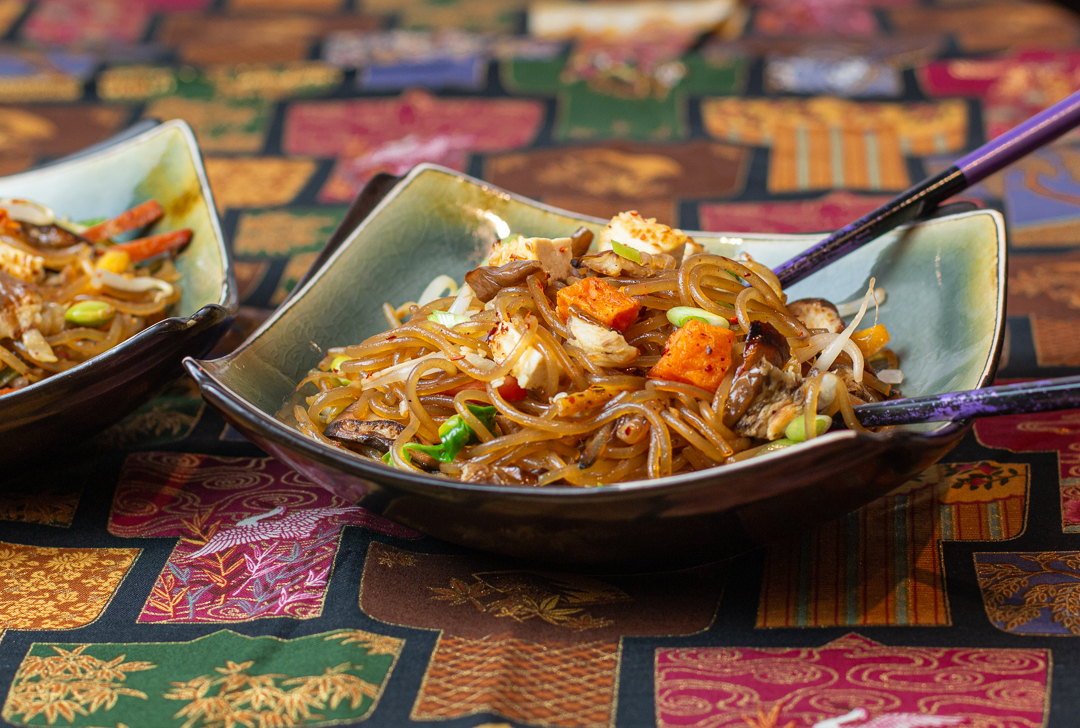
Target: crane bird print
274	525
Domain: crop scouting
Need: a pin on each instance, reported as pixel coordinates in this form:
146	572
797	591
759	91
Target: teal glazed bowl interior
945	310
164	164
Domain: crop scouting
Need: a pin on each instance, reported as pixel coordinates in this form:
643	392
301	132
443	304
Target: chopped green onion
335	366
6	375
681	314
776	445
447	319
736	277
625	251
796	429
89	313
455	434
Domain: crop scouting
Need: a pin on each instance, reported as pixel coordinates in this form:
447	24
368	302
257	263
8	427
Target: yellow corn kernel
114	261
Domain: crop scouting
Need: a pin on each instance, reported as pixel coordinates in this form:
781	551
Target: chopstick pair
1043	395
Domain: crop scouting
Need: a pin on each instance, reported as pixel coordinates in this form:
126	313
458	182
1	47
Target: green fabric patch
222	679
585	112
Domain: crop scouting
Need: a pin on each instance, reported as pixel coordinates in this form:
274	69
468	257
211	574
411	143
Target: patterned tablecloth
955	600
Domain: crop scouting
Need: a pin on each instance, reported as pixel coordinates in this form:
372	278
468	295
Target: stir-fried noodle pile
555	365
69	291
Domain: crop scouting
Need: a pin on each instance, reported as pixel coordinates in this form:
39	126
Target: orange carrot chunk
601	301
133	219
697	354
871	340
145	248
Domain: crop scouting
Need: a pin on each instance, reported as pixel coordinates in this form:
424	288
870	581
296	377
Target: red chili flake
457	358
733	320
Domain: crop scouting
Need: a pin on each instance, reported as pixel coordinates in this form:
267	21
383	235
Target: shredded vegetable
563	366
69	292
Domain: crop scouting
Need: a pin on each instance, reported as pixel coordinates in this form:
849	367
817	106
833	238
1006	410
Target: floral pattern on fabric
1035	592
256	538
854	682
223	679
44	588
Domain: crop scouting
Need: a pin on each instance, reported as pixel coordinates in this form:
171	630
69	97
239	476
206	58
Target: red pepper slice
511	392
133	219
145	248
508	390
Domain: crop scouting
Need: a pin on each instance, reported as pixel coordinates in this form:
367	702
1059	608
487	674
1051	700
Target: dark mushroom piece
50	237
356	433
487	280
858	392
817	313
580	240
763	398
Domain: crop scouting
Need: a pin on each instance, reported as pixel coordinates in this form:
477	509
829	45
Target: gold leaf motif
238	697
375	644
533	595
69	683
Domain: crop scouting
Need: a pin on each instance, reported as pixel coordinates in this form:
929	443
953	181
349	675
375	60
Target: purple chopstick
1037	131
1043	395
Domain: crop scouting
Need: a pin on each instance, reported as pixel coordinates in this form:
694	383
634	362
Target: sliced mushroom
554	254
580	240
507	425
612	264
20	306
352	432
496	474
817	313
487	280
603	346
763	398
858	392
50	237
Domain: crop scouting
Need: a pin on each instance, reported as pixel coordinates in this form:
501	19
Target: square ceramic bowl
162	163
945	283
